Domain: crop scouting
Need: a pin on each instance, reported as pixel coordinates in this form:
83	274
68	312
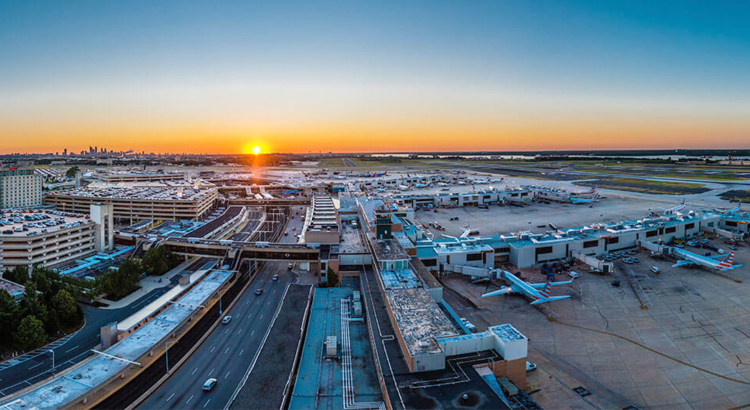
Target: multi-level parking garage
171	202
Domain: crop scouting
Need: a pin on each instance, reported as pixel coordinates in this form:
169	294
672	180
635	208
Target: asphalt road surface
76	347
229	351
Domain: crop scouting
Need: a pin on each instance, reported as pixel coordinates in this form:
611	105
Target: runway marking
196	369
226	351
212	372
241	351
72	348
227	375
191	398
170	397
207	401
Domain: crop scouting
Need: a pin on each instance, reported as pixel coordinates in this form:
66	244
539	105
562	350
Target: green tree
32	305
9	315
30	334
71	172
159	260
19	274
65	307
332	280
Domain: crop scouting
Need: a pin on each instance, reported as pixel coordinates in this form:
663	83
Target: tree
30	334
65	308
19	274
31	304
332	280
9	315
71	172
159	260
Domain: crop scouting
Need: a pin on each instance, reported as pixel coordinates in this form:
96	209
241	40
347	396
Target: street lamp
166	351
53	362
221	294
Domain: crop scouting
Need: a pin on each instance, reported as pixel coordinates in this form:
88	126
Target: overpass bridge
277	202
211	248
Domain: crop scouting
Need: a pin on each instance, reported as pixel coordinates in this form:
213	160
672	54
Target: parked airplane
537	292
590	191
736	209
675	209
593	199
375	174
691	258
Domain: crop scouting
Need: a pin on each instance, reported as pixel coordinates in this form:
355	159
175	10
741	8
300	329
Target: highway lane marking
241	351
196	369
191	398
36	365
72	348
261	317
207	401
227	375
267	303
212	349
212	372
252	333
226	351
239	331
225	332
170	397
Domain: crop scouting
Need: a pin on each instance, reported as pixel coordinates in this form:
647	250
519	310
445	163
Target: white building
20	188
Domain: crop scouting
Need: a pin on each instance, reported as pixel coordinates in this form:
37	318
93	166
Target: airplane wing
719	256
550	299
683	262
502	291
561	283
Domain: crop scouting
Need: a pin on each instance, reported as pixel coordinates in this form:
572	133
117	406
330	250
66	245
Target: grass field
647	186
736	195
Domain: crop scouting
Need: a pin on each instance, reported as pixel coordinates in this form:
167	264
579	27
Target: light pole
221	294
53	362
166	351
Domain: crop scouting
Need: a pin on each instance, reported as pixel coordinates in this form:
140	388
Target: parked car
530	366
655	270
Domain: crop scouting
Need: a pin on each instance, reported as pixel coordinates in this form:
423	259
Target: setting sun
256	150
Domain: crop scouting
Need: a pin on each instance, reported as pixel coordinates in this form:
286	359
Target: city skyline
385	77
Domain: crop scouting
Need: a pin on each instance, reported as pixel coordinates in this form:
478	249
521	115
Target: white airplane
736	209
675	209
537	292
593	199
705	261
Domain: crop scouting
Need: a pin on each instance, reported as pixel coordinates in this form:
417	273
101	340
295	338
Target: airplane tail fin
593	189
727	264
545	292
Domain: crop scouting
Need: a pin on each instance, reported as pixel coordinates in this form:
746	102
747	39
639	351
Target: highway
76	347
231	349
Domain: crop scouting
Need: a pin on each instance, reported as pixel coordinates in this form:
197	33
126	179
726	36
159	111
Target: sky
373	76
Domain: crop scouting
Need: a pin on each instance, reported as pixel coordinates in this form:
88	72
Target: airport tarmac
537	216
676	340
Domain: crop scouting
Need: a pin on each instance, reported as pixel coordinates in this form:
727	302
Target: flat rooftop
420	320
79	380
11	287
32	223
389	249
400	279
351	241
153	191
319	380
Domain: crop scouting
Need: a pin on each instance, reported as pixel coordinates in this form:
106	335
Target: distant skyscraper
65	152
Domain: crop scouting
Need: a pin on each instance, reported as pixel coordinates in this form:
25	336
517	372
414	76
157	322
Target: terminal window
590	244
544	249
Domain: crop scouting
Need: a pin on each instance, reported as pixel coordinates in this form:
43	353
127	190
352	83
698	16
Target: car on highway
275	277
209	384
226	319
259	291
